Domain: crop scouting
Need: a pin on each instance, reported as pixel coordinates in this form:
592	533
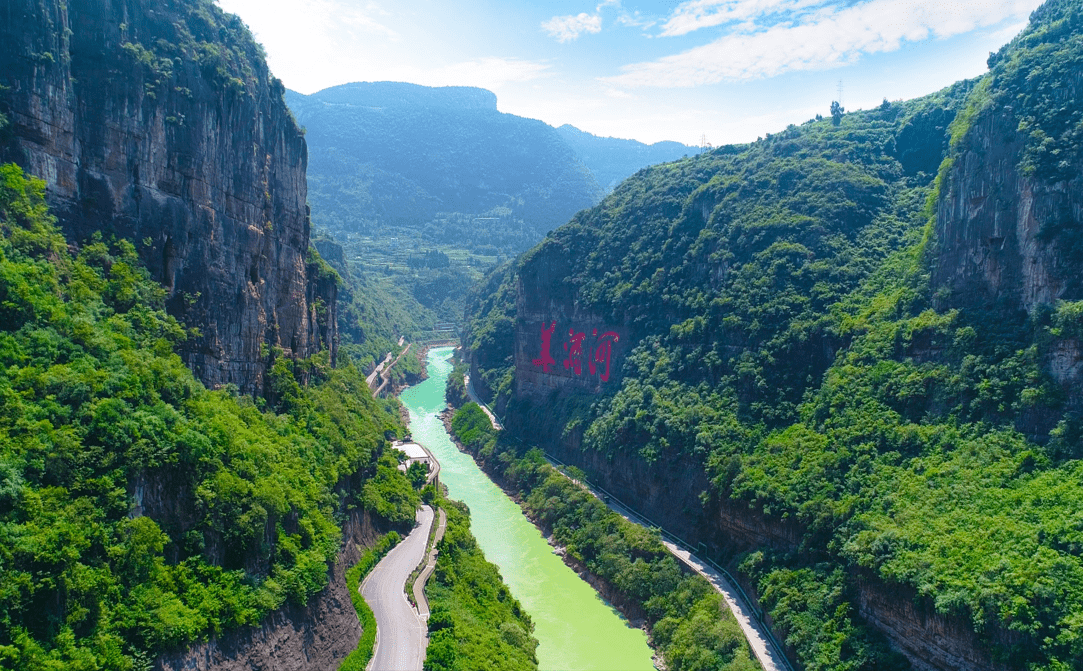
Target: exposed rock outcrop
160	123
315	637
560	344
1010	215
295	638
997	228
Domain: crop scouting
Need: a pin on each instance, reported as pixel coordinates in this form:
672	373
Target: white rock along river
575	628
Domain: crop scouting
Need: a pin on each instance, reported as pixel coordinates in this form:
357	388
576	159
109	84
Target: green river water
575	628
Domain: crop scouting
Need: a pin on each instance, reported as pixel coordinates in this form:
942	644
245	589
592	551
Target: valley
574	627
808	402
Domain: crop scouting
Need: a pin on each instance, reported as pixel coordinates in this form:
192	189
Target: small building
414	453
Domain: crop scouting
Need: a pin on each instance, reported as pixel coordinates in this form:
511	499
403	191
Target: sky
720	71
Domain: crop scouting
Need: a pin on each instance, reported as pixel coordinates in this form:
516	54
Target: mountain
844	360
391	154
154	242
161	124
611	160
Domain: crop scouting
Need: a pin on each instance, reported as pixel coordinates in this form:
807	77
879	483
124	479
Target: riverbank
613	597
576	630
688	620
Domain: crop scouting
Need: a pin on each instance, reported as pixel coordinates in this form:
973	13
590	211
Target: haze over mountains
393	154
844	361
611	160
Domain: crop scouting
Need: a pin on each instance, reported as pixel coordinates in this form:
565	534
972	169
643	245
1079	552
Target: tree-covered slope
390	154
808	374
138	510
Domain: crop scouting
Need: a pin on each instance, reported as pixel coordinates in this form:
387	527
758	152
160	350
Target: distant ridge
393	154
612	160
399	94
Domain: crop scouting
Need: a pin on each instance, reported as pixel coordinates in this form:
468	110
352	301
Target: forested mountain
611	160
845	358
160	123
428	188
140	511
387	155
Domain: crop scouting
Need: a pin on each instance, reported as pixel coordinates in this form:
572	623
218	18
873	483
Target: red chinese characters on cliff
546	359
598	352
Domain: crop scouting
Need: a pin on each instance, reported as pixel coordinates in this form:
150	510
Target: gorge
843	361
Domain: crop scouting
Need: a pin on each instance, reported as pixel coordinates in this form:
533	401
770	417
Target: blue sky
727	70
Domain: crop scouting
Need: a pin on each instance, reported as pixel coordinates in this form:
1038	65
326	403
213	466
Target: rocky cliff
1006	233
561	345
159	122
1009	218
314	637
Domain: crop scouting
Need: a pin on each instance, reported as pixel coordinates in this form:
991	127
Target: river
575	628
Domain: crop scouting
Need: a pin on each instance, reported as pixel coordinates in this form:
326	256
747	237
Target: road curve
419	585
400	635
477	399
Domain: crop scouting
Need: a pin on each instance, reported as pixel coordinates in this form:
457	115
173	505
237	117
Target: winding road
476	399
769	657
400	634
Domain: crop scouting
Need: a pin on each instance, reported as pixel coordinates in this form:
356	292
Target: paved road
768	656
474	397
385	374
419	584
371	378
400	635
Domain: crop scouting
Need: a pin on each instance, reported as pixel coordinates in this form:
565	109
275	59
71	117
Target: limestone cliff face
1010	215
314	637
159	122
997	227
560	343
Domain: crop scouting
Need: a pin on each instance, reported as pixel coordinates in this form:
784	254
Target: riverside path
400	634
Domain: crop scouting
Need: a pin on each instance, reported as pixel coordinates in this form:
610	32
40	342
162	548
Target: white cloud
697	14
488	73
635	20
566	28
823	38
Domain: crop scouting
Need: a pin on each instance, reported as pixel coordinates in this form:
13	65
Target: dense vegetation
690	624
475	622
358	660
372	316
236	508
388	155
787	339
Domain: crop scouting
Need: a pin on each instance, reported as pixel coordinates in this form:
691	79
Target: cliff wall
315	637
159	122
1006	230
667	491
560	344
1010	216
